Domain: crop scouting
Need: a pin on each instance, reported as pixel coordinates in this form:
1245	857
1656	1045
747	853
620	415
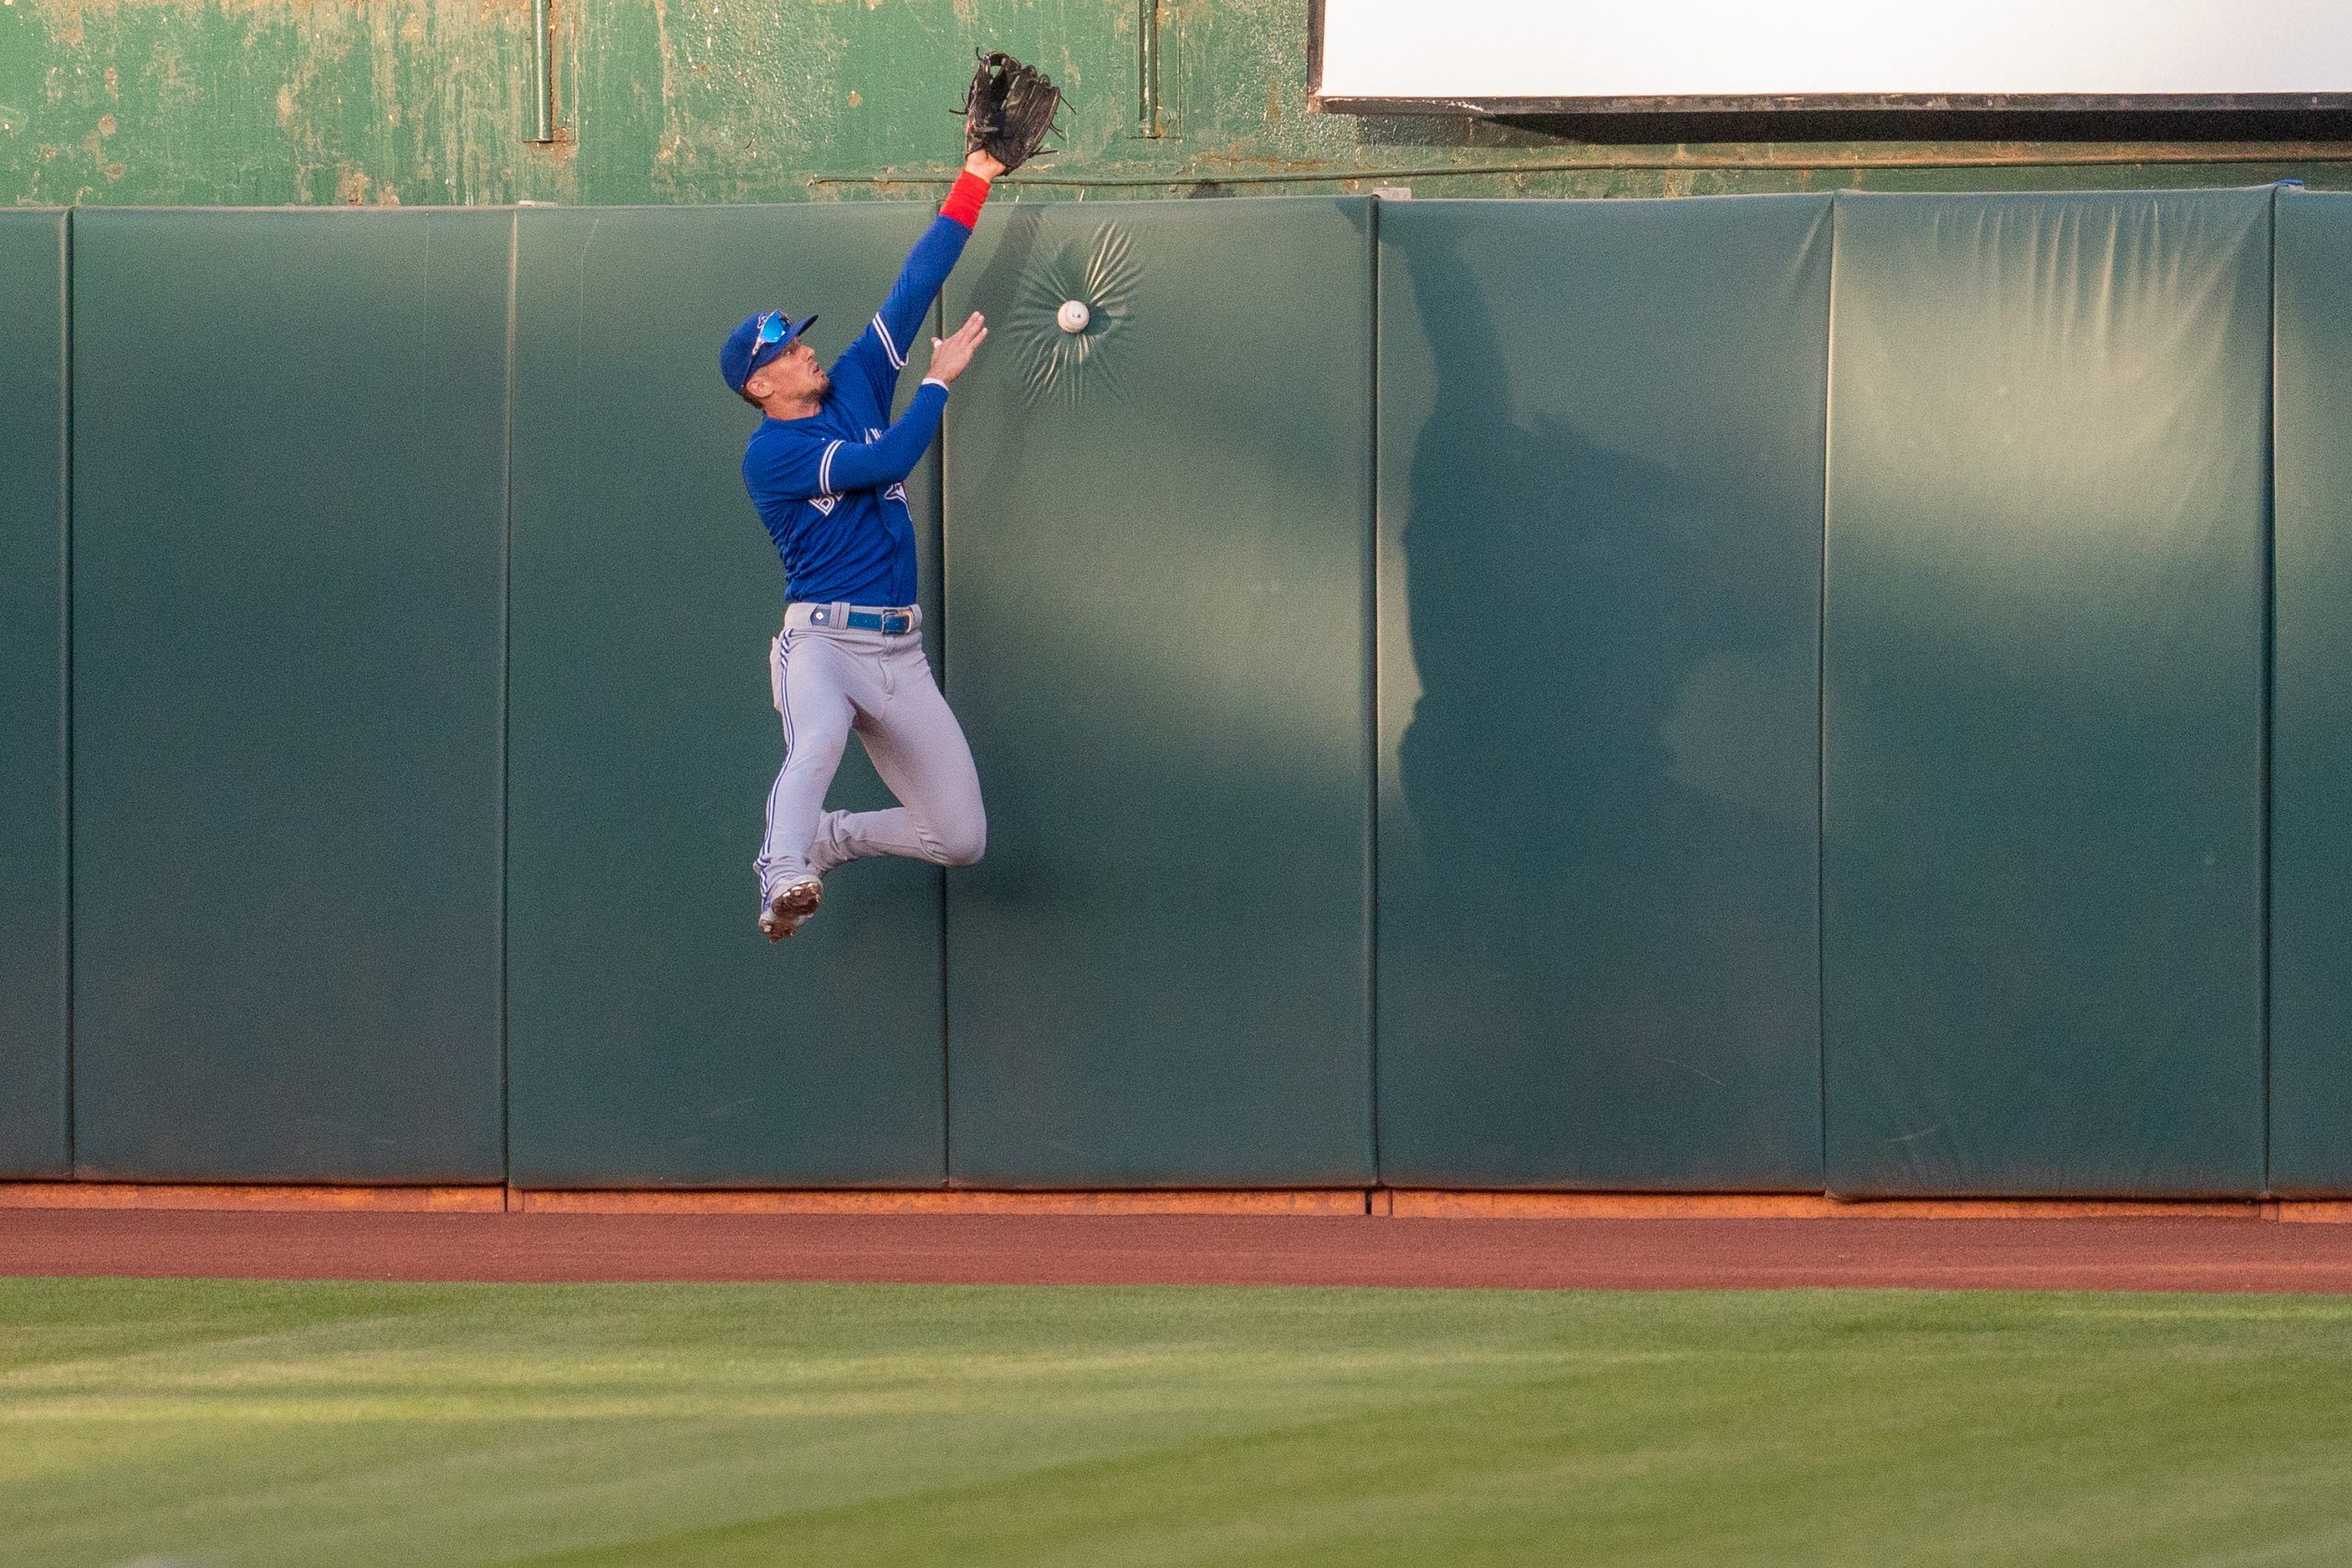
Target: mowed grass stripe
232	1423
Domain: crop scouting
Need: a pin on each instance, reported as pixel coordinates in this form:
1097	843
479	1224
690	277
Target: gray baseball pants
828	680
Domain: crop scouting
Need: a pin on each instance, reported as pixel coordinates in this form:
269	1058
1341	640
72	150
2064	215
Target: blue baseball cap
760	339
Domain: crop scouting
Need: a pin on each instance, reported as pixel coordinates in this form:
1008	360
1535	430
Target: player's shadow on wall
1569	906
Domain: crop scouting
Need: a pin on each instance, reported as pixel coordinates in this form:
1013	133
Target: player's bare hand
981	163
949	355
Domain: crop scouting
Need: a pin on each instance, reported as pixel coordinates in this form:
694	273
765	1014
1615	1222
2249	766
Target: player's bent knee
963	847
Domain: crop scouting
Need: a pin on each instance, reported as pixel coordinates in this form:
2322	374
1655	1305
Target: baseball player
827	470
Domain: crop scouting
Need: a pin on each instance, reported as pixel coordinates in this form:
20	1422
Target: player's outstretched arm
880	353
842	467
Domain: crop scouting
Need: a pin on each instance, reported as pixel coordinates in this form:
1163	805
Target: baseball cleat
793	901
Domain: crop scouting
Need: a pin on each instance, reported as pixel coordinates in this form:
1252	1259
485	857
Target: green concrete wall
276	102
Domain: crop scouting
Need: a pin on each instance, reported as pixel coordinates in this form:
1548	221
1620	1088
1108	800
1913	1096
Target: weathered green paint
238	103
270	102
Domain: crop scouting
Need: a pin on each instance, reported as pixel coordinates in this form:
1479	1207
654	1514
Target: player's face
798	374
793	375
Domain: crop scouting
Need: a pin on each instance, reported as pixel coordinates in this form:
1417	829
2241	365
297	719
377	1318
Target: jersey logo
824	503
896	492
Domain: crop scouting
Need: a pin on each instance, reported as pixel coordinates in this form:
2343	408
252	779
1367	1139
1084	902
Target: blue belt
893	622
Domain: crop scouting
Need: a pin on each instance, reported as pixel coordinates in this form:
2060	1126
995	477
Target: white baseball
1073	315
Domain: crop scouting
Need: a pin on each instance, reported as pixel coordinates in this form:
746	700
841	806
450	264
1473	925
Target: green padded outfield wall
656	1037
1601	449
34	1139
288	533
2310	743
2043	684
1158	610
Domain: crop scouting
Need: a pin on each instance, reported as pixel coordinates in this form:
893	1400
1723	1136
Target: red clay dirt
2184	1254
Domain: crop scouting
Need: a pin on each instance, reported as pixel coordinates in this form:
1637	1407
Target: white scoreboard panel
1501	56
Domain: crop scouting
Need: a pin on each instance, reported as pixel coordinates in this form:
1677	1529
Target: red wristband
964	202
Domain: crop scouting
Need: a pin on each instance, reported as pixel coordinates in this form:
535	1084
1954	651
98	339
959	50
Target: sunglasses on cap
775	326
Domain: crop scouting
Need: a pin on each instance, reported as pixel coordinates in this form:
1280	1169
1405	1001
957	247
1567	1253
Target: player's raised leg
918	749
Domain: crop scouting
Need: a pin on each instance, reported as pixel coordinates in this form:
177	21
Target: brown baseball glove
1010	110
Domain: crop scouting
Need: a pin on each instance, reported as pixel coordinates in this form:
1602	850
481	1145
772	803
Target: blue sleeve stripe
825	470
890	349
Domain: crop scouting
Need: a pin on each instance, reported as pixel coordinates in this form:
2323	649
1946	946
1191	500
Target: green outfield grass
224	1423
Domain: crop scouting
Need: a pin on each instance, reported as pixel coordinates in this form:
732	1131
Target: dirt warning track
2183	1254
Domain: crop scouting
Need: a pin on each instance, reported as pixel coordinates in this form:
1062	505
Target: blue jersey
832	488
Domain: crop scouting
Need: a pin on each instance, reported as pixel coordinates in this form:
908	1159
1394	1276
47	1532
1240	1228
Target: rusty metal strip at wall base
265	1197
1333	1202
1327	1202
